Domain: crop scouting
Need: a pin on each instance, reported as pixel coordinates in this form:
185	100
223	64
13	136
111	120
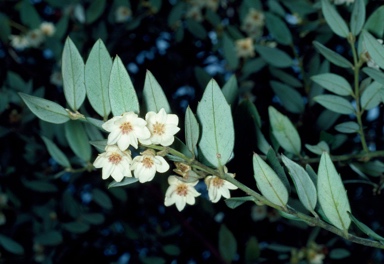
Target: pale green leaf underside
348	127
73	75
371	96
268	182
153	94
374	48
333	83
56	153
217	135
332	194
335	103
319	148
332	56
334	20
45	110
357	17
78	139
192	130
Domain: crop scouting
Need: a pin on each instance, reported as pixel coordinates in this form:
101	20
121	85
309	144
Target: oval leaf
218	136
284	131
76	227
56	153
332	194
229	52
305	187
124	182
121	91
375	74
333	83
374	48
78	140
374	23
154	96
102	199
97	71
227	244
332	56
11	245
268	182
335	103
237	201
192	130
334	20
319	148
73	75
51	238
348	127
278	29
363	227
357	17
230	90
45	110
274	56
290	98
371	96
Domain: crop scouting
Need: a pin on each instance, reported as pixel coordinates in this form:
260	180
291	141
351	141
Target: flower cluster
195	10
33	38
128	130
244	48
158	129
253	23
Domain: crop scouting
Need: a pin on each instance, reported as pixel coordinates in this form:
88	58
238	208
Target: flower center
115	158
182	189
126	127
217	182
147	162
158	128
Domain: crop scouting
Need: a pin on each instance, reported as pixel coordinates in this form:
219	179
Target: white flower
115	163
47	28
245	48
122	14
19	42
180	193
35	37
253	23
126	130
218	187
145	166
162	127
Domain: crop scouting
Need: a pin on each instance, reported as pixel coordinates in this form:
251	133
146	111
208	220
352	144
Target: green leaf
268	182
274	56
97	71
154	96
285	77
371	96
334	20
230	90
335	103
56	153
374	23
5	28
45	110
61	27
99	144
11	245
357	17
339	253
227	244
319	148
375	74
305	187
196	28
332	56
50	238
237	201
374	48
121	91
284	131
289	97
78	139
333	83
218	136
252	66
348	127
29	15
76	227
124	182
274	162
363	227
172	250
40	186
192	130
252	251
152	260
73	75
102	199
332	194
229	52
278	29
95	10
93	218
176	14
